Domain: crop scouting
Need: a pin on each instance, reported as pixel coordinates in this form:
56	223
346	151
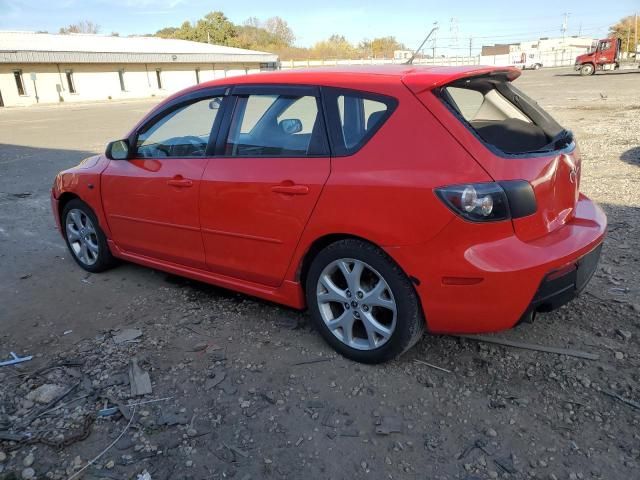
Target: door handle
179	181
290	189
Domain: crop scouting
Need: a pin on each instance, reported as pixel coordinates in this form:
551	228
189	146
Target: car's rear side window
355	117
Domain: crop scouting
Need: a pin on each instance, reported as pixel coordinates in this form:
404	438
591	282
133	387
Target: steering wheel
199	145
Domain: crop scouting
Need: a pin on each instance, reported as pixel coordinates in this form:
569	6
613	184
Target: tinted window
273	126
359	116
181	133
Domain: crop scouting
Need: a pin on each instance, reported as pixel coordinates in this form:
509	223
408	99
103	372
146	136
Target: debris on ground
530	346
15	359
139	380
127	335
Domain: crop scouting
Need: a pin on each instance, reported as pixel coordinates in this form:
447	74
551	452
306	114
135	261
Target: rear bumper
560	287
480	278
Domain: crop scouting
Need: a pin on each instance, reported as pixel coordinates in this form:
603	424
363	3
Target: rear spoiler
419	81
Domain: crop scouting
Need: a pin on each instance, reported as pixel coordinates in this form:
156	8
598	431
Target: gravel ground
245	389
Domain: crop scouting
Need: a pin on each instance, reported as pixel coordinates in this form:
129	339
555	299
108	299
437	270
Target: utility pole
635	38
470	44
435	39
564	26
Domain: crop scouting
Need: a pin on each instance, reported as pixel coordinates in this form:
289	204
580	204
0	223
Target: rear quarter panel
384	192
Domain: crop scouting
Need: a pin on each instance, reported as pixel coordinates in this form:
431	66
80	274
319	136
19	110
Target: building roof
30	47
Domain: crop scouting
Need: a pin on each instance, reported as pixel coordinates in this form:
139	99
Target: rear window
503	117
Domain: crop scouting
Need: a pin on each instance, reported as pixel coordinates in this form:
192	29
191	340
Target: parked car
386	200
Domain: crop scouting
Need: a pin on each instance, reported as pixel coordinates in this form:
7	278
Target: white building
548	52
47	68
402	54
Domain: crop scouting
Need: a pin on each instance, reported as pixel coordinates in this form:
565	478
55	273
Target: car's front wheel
85	240
362	303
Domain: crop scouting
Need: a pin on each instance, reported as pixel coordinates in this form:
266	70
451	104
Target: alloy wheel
356	304
82	237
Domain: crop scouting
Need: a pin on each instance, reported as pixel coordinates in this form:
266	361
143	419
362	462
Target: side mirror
117	150
290	125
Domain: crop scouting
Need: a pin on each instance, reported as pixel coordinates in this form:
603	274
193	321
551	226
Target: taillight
478	202
489	202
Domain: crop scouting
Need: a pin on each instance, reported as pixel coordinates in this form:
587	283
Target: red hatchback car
385	200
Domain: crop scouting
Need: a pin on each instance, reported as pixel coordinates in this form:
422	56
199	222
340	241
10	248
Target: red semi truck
605	55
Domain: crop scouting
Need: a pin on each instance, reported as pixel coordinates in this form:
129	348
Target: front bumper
475	278
55	210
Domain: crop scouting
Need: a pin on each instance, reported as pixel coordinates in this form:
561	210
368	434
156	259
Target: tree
385	46
272	35
167	32
280	30
336	46
365	48
83	26
215	28
625	30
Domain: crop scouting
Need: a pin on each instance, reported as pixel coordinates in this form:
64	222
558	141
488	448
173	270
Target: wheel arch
63	200
324	241
316	247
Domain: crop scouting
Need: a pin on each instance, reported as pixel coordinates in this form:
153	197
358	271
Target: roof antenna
410	61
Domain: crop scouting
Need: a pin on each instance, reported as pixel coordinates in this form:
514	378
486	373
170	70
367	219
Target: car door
258	193
151	200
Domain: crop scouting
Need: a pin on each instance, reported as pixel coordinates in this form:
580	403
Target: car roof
415	77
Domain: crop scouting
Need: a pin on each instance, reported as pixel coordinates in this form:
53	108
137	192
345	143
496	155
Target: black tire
410	323
103	259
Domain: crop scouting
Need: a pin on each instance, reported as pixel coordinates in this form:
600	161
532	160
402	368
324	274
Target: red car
386	200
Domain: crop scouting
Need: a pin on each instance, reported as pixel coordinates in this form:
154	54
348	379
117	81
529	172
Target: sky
485	22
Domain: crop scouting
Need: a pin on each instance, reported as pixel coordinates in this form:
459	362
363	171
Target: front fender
83	182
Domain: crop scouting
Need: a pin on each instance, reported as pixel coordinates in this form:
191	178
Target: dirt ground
246	389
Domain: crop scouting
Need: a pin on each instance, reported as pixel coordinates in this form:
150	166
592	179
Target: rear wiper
561	140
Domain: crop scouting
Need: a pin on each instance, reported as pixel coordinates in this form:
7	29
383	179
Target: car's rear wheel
362	303
587	69
85	240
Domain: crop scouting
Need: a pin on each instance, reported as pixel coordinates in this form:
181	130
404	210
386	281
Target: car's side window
274	126
184	132
359	116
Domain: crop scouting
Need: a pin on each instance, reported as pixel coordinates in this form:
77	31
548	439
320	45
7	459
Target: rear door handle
179	181
291	189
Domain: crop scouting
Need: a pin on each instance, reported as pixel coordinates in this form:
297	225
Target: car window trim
295	90
180	102
336	138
